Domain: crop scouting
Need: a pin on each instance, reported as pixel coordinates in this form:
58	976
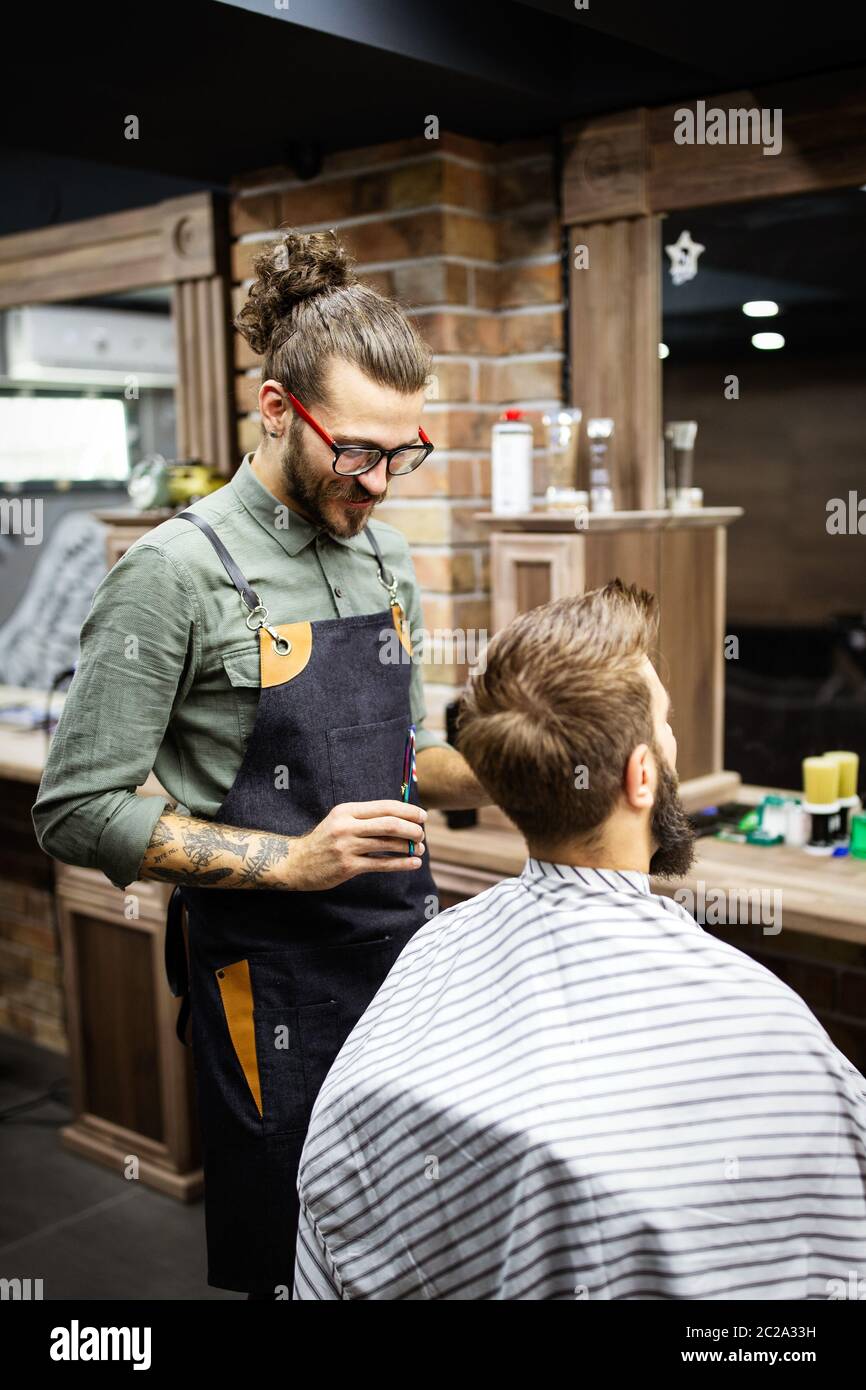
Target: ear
639	783
273	407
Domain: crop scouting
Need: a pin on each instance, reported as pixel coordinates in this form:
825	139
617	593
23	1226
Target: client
565	1088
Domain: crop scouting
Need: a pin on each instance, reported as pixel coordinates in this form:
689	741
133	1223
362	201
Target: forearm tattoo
203	854
265	852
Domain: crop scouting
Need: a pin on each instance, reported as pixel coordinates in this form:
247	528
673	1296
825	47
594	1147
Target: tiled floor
86	1232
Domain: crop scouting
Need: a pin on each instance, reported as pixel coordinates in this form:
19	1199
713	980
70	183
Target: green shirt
168	675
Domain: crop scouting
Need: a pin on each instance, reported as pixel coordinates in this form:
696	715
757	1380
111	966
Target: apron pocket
367	760
295	1048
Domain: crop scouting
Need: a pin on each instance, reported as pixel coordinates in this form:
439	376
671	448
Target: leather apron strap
246	591
244	588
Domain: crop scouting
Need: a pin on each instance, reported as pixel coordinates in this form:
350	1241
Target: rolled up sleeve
138	651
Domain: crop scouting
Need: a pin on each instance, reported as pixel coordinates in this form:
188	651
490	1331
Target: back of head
307	305
549	724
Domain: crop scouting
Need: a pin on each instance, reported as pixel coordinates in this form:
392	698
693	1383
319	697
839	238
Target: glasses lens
405	460
357	460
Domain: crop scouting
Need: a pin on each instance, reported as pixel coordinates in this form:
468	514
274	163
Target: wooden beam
604	171
168	242
823	145
630	164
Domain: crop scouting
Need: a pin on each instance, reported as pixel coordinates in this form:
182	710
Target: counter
79	959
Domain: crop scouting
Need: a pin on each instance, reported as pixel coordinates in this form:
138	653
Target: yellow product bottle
821	800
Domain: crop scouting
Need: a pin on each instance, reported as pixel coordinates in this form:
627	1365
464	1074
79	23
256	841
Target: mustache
355	495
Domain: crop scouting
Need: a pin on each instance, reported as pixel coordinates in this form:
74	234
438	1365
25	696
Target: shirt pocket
243	670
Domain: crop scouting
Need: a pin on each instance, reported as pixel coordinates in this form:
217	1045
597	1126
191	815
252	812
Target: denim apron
276	980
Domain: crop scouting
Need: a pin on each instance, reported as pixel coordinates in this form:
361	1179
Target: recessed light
760	309
768	341
664	351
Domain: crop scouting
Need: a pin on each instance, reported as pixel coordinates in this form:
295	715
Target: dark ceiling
220	87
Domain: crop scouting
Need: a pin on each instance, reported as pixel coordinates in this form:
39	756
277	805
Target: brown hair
562	690
307	306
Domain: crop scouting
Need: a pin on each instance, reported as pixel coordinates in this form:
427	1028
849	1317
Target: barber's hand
341	845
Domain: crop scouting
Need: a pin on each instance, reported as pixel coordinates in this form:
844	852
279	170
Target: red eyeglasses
352	459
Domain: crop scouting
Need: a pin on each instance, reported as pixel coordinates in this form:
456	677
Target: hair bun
296	267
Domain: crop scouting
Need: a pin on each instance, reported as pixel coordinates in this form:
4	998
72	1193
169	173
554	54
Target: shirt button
339	592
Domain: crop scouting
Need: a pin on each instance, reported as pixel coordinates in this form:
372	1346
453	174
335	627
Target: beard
671	829
320	497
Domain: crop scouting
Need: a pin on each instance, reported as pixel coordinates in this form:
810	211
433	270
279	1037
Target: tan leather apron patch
277	669
400	623
237	996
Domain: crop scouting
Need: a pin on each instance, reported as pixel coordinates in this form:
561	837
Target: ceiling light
768	341
760	309
664	351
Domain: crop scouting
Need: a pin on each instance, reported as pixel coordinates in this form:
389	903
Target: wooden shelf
563	521
819	897
540	556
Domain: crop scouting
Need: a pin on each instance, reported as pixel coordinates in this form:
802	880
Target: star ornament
684	258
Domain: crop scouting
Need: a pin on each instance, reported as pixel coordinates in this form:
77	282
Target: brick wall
465	234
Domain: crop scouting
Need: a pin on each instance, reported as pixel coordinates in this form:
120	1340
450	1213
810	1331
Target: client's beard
670	826
311	492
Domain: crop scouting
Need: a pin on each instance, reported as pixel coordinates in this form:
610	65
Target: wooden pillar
614	332
204	378
615	294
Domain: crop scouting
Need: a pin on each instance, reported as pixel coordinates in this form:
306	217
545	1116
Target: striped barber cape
567	1089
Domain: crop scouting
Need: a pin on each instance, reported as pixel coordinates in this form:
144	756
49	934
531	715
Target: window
62	439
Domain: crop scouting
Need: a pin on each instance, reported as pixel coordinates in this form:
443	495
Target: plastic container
858	837
798	824
773	816
511	465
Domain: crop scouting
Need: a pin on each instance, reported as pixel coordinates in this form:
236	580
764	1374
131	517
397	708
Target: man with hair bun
266	696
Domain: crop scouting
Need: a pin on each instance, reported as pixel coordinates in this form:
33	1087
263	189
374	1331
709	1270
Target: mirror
87	391
764	347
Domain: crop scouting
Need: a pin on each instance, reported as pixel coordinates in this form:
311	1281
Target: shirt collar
593	880
297	533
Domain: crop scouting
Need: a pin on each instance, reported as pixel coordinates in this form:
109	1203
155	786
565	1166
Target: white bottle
511	465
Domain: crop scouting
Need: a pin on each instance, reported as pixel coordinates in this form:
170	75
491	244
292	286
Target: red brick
464	333
526	182
451	573
538	332
521	381
535	233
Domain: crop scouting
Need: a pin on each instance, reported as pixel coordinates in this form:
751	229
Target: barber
255	651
